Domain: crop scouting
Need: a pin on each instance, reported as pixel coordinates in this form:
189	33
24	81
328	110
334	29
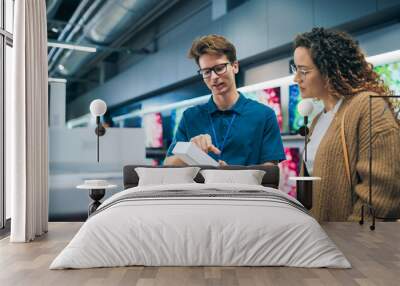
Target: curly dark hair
341	62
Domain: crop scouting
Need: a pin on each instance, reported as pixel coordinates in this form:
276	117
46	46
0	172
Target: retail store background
148	67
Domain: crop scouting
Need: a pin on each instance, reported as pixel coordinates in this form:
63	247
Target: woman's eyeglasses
303	72
219	69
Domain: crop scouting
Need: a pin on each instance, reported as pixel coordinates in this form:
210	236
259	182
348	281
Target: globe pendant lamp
97	108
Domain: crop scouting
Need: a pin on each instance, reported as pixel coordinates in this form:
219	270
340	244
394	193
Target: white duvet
200	231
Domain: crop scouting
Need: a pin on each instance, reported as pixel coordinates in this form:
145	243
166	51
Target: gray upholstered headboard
270	179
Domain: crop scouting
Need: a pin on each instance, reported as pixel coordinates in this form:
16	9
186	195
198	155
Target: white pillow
166	176
248	177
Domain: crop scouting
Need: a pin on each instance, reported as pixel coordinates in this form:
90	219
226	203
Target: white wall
57	104
381	40
270	71
77	148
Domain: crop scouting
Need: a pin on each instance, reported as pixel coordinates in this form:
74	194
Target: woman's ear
329	88
327	83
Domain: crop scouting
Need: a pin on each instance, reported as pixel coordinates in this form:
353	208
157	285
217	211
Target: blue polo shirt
253	138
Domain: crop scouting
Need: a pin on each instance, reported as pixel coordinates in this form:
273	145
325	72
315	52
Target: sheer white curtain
28	117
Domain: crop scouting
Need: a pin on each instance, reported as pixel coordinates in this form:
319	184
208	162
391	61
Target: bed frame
270	179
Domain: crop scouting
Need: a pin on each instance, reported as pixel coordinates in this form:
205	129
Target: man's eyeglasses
218	69
303	72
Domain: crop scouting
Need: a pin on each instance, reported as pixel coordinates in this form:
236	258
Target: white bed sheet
200	231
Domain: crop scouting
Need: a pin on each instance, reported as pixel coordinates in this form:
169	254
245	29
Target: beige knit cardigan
333	197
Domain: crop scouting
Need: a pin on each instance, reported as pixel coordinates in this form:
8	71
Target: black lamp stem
305	137
98	141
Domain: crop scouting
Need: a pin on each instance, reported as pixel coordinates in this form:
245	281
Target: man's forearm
271	163
174	161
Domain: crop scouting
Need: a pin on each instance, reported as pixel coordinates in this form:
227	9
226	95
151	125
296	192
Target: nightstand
304	190
97	190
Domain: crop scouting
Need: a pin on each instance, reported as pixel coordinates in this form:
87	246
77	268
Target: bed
201	224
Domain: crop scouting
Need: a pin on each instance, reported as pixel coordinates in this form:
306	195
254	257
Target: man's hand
222	163
204	142
271	163
174	161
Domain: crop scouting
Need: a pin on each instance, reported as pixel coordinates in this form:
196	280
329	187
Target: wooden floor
375	257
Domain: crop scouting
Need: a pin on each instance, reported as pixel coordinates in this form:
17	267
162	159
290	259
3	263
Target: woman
330	67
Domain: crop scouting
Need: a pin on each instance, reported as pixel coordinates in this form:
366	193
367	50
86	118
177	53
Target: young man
232	129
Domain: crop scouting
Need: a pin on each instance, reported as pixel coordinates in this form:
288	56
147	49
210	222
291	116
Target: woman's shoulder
371	104
361	98
365	99
361	102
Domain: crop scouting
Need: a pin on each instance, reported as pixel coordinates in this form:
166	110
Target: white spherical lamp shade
305	107
98	107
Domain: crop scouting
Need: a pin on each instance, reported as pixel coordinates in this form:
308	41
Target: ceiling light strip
72	47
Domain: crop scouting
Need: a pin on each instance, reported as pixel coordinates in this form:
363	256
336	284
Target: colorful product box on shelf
270	97
152	124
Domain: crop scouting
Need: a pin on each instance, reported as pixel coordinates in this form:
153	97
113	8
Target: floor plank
375	257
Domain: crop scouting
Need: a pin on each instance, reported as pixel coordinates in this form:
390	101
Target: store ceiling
104	24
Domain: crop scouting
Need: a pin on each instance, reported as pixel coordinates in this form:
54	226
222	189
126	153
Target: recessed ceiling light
54	29
61	67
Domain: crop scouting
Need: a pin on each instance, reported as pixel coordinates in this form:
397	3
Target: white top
93	187
96	184
322	125
305	178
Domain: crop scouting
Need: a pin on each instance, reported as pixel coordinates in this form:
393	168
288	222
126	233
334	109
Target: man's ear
235	66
